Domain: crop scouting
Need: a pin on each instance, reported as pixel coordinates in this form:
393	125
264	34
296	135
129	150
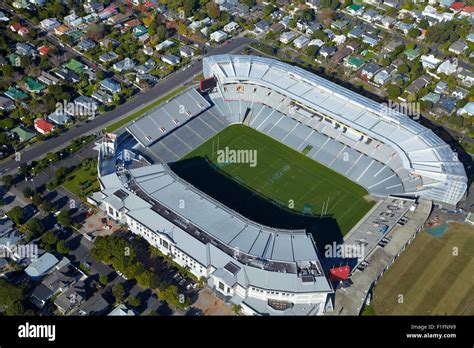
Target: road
137	102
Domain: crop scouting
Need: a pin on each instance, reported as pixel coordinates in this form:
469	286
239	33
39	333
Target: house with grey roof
458	47
110	85
41	266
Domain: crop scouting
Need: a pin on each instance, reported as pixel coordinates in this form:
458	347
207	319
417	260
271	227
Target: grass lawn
288	177
82	181
430	277
140	112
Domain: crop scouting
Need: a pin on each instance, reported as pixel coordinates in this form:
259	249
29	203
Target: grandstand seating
373	166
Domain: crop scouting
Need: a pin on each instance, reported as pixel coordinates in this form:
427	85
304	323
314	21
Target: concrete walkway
350	300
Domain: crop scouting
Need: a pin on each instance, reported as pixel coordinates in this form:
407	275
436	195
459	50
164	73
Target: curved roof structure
420	152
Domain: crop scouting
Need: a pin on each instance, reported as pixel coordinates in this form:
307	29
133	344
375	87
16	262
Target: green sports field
434	276
288	177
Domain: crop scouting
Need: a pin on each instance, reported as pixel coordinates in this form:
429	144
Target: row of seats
376	177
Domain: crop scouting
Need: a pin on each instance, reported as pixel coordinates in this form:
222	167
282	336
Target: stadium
324	154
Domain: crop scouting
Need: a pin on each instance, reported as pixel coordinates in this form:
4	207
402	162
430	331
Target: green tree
118	290
393	91
134	301
27	192
7	180
64	218
103	279
16	215
62	248
48	240
33	228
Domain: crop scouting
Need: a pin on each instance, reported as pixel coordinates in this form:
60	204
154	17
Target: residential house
340	55
231	27
59	118
43	50
61	30
314	4
107	12
33	85
86	105
23	133
148	51
446	105
355	9
448	67
466	76
392	45
441	87
339	39
316	42
384	75
164	45
46	262
102	96
287	37
418	84
122	311
327	51
392	3
25	49
42	126
457	6
68	75
109	43
412	54
145	68
404	27
301	41
72	298
467	110
6	104
96	305
371	39
276	27
170	59
313	28
124	65
460	93
111	85
467	11
354	63
387	22
371	16
370	70
219	36
86	45
458	47
15	94
108	57
261	27
23	31
356	32
339	24
430	61
186	51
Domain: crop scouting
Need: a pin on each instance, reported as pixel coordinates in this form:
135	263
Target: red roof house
23	31
43	50
468	10
43	126
15	27
457	6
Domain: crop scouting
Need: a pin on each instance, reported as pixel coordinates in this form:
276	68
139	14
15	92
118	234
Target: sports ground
288	177
434	275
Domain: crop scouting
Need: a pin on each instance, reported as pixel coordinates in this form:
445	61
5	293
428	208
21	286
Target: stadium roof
164	119
222	223
421	151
